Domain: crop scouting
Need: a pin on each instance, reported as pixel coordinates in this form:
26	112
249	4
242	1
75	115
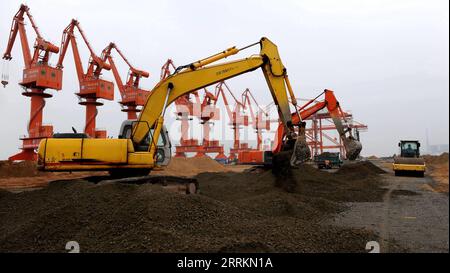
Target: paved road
416	217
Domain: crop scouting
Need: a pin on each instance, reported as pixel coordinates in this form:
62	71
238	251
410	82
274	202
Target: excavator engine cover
353	148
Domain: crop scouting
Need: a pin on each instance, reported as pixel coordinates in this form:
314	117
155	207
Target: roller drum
409	160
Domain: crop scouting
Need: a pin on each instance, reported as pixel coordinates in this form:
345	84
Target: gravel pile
234	212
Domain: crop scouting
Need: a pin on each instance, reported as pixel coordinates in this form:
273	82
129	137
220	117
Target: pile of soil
234	212
18	176
191	166
437	168
24	175
359	169
436	159
18	169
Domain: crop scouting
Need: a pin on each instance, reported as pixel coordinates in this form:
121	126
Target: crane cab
42	76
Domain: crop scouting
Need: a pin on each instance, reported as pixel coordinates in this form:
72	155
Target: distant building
437	149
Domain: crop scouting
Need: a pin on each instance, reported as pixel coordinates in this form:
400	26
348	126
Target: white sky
387	61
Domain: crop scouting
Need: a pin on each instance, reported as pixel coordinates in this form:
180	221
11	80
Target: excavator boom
197	75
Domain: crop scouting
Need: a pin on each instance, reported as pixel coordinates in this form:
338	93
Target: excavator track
177	184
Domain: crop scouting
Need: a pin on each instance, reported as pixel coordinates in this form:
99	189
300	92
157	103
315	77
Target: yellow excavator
143	144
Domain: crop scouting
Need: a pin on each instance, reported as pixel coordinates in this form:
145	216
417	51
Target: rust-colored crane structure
184	110
237	119
205	110
260	119
318	136
38	76
208	111
132	96
92	87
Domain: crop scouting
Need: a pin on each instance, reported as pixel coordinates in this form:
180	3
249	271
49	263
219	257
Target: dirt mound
235	212
24	175
191	166
436	159
359	169
18	169
437	168
311	183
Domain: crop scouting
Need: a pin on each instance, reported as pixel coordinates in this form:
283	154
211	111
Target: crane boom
96	64
17	26
132	96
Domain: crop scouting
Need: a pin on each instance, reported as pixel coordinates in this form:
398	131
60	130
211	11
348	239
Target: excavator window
144	145
161	139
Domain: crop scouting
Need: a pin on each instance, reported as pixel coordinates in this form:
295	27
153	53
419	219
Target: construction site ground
238	209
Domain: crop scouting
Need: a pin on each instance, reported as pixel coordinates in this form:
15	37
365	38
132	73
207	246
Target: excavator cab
164	146
409	161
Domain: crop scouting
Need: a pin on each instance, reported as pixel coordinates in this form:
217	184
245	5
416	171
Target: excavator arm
351	145
199	74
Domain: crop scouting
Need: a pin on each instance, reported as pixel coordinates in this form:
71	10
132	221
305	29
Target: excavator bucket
352	147
301	152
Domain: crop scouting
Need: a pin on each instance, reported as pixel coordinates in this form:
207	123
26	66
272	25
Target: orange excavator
92	86
351	145
132	95
38	75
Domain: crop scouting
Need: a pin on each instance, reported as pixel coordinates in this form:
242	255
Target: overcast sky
387	61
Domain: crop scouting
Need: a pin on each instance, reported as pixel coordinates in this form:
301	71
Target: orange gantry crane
184	110
132	95
188	107
237	119
92	86
206	112
38	76
260	119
